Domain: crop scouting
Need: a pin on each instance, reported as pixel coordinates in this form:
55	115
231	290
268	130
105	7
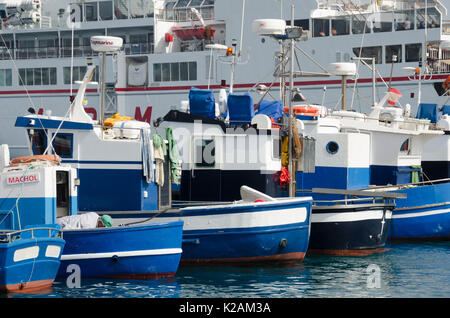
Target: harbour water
406	270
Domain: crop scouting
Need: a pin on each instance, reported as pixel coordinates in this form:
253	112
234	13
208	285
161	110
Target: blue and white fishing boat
29	258
42	191
135	188
30	247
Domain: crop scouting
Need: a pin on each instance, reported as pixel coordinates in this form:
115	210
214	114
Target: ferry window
157	72
340	26
192	71
205	153
392	50
433	18
91	11
208	2
121	9
5	77
303	23
180	71
62	144
370	51
195	3
321	27
383	22
78	74
182	3
165	72
105	10
413	52
359	24
174	71
404	20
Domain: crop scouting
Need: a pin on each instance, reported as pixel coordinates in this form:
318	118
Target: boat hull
140	252
423	215
275	231
349	230
29	264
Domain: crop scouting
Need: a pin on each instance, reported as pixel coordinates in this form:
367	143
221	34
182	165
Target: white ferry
173	45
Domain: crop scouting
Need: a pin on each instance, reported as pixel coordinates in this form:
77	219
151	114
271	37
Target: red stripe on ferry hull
362	252
288	257
302	83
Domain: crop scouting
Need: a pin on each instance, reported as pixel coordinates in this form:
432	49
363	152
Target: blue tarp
202	102
272	109
428	111
240	108
446	110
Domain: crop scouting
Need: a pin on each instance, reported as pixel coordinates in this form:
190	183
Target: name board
17	179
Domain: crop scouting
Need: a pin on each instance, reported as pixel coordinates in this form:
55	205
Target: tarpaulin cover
446	110
241	109
428	111
202	102
272	109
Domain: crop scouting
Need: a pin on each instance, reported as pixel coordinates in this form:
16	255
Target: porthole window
332	147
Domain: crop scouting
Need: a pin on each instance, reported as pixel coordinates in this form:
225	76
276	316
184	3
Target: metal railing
78	51
9	237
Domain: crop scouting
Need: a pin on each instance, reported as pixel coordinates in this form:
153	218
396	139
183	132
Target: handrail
9	237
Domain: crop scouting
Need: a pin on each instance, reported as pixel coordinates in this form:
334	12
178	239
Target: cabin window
360	24
37	76
433	18
180	71
370	52
63	145
91	11
413	52
303	23
382	22
78	74
405	146
5	77
393	50
332	147
404	20
321	27
205	153
38	140
105	10
340	26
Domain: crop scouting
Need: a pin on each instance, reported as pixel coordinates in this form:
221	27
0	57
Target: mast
291	98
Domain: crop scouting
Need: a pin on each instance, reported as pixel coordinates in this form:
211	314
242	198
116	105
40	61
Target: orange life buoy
444	86
54	159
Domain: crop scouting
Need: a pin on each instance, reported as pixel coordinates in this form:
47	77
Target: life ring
445	84
53	159
302	110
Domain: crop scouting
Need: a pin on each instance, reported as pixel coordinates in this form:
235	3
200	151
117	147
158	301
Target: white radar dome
269	26
343	69
106	43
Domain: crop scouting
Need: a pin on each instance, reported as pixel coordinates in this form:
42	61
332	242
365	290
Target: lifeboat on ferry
303	110
193	33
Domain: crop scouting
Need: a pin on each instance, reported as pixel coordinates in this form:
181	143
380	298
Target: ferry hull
349	231
424	214
137	252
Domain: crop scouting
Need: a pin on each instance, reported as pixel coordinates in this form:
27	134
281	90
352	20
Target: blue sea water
406	270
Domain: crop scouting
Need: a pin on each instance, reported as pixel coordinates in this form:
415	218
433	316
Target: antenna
104	45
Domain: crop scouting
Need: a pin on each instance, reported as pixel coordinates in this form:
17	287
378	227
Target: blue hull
424	214
144	251
29	263
266	232
270	244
